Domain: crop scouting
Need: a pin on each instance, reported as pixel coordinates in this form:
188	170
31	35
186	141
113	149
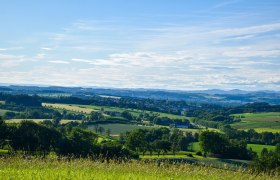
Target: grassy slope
259	121
17	168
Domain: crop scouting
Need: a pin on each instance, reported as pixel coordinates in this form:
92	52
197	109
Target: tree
3	132
137	140
26	137
212	142
268	161
101	130
96	116
127	115
79	142
108	132
96	127
175	139
47	139
162	146
217	144
9	115
57	117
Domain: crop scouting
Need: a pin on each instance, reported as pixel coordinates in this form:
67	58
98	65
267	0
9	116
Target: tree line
69	140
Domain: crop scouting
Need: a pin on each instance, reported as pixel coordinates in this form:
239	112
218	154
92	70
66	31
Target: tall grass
18	168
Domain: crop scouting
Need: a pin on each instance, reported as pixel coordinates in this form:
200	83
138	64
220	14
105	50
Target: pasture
2	102
69	107
261	122
25	169
259	147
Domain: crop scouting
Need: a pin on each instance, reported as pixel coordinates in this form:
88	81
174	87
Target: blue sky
166	44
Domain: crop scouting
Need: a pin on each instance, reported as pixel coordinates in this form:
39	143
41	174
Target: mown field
69	107
261	122
18	168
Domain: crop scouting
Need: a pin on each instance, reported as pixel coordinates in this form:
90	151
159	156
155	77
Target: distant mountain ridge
235	96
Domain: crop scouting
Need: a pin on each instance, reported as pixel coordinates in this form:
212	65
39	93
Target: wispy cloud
59	62
176	55
81	60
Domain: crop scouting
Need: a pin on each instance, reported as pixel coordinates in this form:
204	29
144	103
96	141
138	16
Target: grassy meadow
23	169
259	147
261	122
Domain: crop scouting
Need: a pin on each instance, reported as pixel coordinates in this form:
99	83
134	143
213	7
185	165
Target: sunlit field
260	122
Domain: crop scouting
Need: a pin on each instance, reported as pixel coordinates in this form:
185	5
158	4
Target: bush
189	155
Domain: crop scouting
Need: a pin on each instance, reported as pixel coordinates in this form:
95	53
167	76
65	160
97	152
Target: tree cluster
159	140
251	136
268	162
216	144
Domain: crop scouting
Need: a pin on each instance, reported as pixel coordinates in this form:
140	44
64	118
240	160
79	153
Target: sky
157	44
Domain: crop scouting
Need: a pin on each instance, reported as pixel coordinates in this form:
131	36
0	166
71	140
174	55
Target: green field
69	107
258	147
3	111
116	129
2	102
261	122
194	147
23	169
63	121
89	108
3	151
255	147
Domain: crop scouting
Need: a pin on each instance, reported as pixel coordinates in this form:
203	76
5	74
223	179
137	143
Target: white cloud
173	57
81	60
59	62
46	48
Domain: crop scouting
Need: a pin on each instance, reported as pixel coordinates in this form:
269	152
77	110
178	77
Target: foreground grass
17	168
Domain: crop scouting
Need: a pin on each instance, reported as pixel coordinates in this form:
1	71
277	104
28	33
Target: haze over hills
232	97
